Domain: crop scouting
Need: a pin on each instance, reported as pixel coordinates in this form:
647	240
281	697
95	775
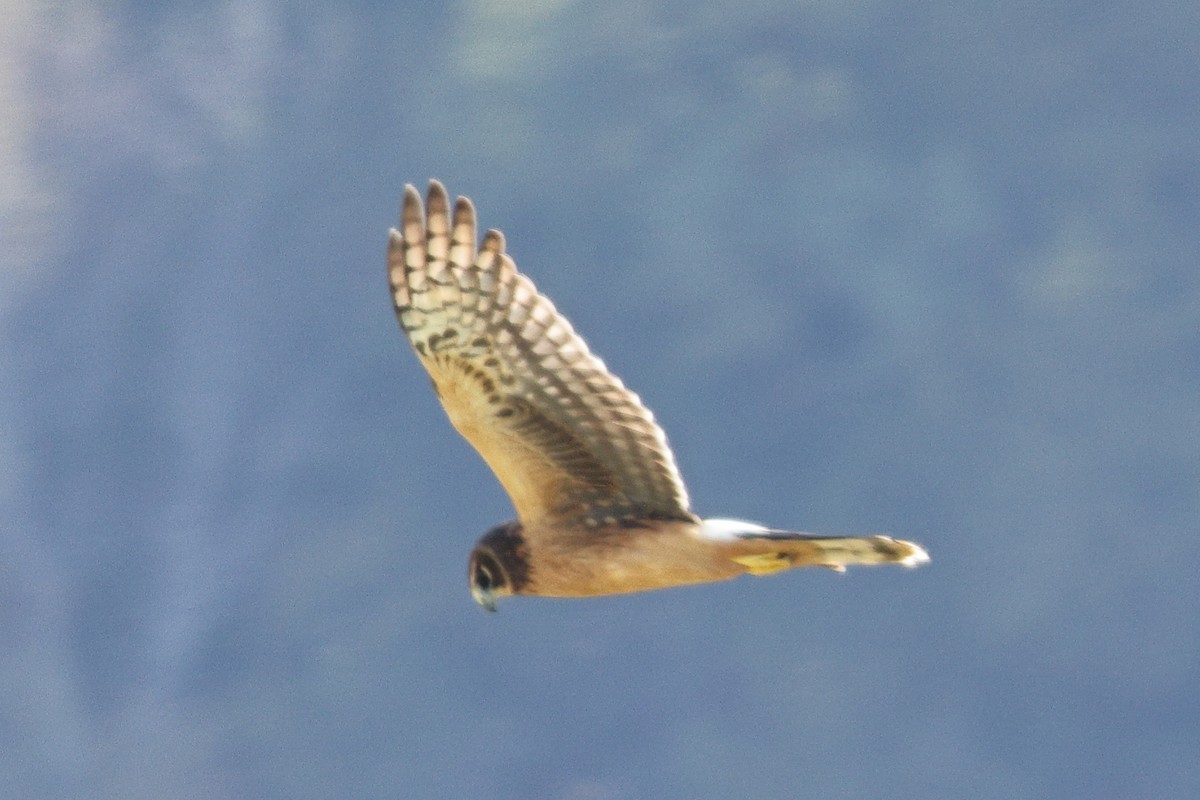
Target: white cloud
224	64
26	191
504	39
87	96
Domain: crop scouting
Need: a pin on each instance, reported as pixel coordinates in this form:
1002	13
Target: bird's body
583	563
601	508
637	557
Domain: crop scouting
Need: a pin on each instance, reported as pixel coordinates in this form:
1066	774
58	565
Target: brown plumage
601	508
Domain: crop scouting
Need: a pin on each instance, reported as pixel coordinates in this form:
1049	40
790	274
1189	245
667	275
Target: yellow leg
764	563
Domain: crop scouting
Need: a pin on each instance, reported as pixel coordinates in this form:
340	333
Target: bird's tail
777	550
762	551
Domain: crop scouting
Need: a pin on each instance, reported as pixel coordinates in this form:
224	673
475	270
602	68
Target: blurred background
925	270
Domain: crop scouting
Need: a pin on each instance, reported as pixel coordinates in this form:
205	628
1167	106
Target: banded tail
762	551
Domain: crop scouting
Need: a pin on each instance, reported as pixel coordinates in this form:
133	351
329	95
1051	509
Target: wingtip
412	210
437	201
916	557
493	241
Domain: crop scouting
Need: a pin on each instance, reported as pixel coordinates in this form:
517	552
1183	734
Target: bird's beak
485	598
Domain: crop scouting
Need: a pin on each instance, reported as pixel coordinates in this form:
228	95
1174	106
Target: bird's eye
483	577
486	573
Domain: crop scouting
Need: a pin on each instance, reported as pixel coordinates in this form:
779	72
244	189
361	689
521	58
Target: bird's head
499	565
489	581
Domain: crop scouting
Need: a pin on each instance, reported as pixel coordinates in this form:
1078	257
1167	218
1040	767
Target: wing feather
565	437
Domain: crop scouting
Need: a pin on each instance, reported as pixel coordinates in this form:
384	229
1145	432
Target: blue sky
929	271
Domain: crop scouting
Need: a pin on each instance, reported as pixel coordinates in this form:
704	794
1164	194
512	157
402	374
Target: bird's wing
565	437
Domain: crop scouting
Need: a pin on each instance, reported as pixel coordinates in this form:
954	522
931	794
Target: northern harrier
601	508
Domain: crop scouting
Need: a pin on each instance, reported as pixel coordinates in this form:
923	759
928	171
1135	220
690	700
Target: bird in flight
601	507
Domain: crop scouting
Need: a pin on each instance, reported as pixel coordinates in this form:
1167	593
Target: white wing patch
727	530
